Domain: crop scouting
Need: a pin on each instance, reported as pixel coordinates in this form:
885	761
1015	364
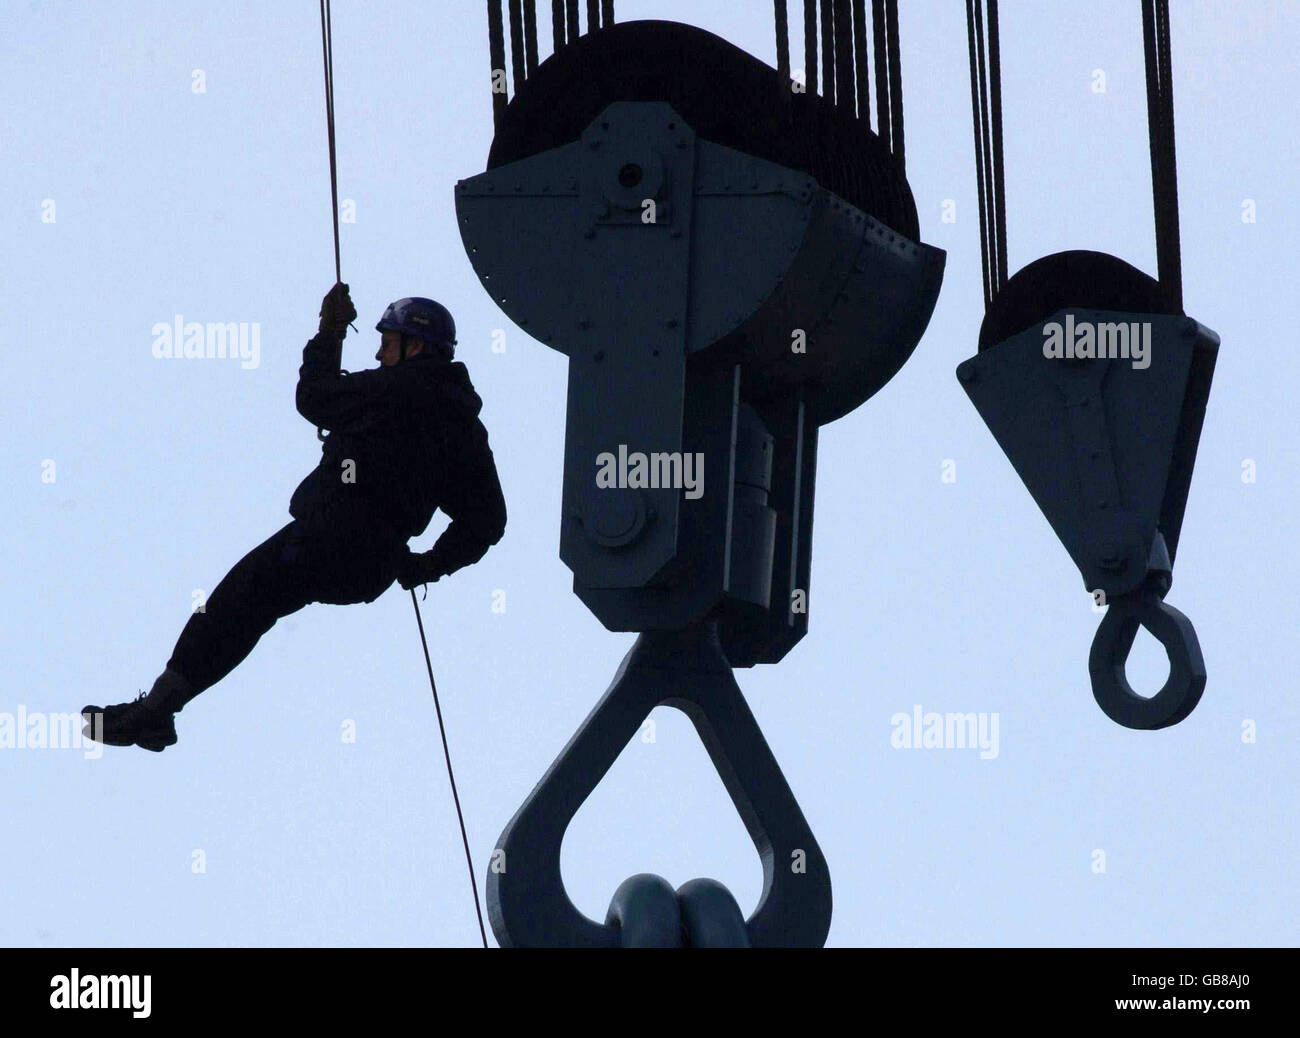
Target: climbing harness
1105	442
327	50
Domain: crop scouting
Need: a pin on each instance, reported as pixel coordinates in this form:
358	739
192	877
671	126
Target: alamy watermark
34	730
1086	340
921	730
665	469
191	340
127	991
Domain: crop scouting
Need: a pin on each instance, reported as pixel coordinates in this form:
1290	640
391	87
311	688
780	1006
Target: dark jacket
416	443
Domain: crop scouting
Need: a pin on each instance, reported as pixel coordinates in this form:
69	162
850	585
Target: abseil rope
451	775
327	52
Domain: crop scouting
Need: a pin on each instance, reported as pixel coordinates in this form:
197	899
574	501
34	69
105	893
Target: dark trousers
339	554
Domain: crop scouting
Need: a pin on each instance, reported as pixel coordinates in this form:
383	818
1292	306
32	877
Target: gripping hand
337	311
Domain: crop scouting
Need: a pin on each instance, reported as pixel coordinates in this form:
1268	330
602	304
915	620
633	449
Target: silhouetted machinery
1115	486
731	260
728	265
1095	383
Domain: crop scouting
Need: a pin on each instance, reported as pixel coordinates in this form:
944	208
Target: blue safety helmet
421	318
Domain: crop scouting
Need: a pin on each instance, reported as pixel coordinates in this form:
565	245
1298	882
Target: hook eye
1111	646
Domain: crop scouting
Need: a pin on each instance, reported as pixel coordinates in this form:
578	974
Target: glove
414	569
337	311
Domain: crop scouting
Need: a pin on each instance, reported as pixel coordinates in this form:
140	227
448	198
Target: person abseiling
404	439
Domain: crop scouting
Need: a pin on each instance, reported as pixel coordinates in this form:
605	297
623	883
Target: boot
146	721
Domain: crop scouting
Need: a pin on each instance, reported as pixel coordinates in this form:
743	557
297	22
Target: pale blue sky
957	597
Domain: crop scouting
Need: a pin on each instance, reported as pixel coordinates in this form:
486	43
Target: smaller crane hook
1112	644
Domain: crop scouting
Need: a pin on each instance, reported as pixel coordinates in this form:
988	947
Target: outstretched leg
268	583
340	557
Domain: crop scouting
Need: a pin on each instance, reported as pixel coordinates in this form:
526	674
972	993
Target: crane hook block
716	309
1099	408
